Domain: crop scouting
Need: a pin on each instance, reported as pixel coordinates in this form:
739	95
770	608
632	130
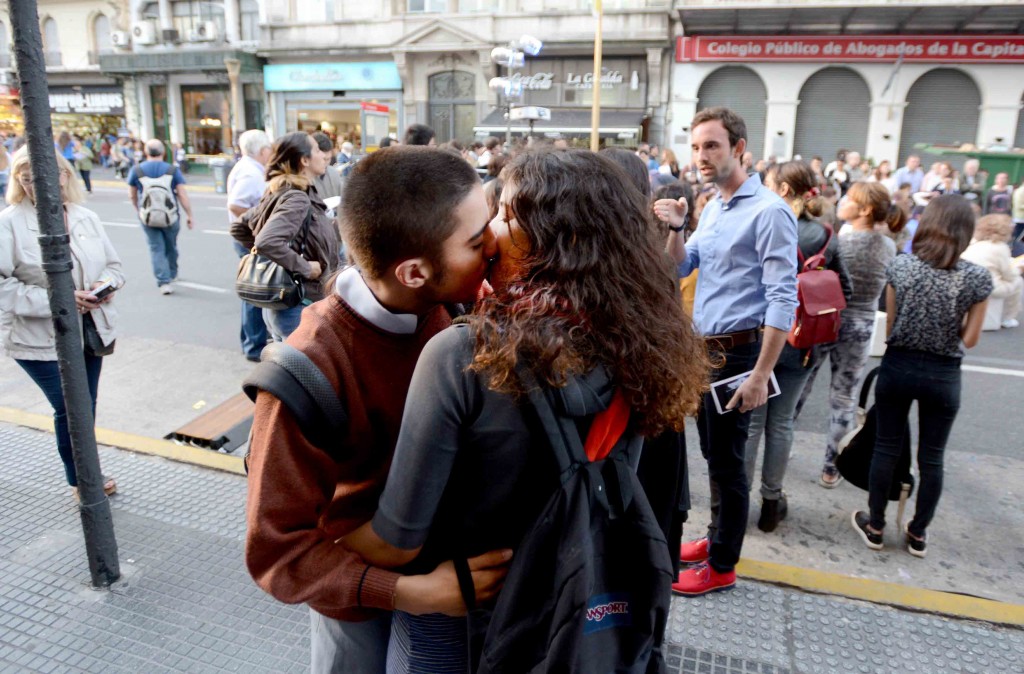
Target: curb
124	185
203	458
880	592
807	580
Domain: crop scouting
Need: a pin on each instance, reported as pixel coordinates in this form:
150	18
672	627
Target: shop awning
704	17
564	121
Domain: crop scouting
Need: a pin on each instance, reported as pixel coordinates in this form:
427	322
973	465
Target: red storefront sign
374	107
853	49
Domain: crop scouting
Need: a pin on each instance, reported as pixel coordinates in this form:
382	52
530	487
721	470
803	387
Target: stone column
781	116
237	102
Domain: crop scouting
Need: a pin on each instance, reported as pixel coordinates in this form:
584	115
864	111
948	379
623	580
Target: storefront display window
206	119
161	128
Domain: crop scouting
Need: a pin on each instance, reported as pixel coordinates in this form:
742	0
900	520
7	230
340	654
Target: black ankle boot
772	512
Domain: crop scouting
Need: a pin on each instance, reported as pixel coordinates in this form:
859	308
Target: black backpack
589	587
857	448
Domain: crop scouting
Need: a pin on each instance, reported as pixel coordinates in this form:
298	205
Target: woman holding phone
26	326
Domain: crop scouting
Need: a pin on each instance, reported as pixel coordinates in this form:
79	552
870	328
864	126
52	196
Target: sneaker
701	579
166	289
916	546
693	552
772	512
830	478
1010	323
860	521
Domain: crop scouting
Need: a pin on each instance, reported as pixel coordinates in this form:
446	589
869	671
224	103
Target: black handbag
858	447
265	284
91	340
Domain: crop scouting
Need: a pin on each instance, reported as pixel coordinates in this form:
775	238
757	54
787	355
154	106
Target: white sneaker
166	289
1010	323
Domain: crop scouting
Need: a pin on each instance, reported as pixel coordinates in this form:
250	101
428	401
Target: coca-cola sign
536	81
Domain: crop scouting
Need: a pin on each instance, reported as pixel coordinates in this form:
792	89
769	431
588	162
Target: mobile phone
102	291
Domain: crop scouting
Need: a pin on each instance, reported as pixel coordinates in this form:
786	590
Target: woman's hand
108	297
85	301
314	271
671	211
438	591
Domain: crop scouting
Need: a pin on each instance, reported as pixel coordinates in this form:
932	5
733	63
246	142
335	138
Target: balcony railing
53	58
94	56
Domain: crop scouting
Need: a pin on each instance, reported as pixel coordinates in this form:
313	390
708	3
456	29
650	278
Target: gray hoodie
472	468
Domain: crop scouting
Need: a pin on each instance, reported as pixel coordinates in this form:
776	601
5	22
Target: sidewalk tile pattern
187	604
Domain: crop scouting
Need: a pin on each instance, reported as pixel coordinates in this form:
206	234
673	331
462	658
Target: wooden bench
225	427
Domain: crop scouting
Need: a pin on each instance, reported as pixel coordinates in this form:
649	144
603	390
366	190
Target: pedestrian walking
429	245
290	226
796	183
990	248
26	326
157	192
472	470
744	247
246	185
83	162
935	304
866	252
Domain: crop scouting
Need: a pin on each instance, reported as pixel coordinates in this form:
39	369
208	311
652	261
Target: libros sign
851	49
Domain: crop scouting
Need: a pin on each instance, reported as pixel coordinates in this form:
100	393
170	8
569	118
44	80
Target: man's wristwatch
677	229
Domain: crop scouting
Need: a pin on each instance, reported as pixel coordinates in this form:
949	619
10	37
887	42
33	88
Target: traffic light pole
94	508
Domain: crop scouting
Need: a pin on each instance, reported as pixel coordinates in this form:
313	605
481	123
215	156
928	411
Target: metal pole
97	524
595	111
508	120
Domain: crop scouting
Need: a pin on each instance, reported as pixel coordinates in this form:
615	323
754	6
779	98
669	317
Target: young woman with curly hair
584	297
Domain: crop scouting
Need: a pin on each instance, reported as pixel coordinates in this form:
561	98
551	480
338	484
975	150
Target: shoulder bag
265	284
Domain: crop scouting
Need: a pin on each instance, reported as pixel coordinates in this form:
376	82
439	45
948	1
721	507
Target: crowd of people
442	287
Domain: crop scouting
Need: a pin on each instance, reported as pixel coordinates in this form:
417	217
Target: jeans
934	382
350	647
253	334
775	421
163	251
86	179
282	322
848	357
428	644
47	377
723	442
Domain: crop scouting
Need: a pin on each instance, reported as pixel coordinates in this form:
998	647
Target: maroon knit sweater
302	499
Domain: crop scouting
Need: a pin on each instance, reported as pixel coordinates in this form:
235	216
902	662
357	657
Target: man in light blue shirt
745	247
246	184
911	174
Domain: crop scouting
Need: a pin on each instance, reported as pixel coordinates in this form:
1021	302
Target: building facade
83	100
812	78
429	61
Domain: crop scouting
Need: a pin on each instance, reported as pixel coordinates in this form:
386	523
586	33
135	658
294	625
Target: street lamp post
512	57
595	111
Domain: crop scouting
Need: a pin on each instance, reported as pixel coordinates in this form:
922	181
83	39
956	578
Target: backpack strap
820	253
565	442
291	377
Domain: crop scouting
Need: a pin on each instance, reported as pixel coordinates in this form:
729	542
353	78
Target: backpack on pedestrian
158	207
821	301
590	583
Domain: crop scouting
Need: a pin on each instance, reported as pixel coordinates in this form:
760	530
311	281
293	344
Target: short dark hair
400	203
944	231
492	143
418	134
633	165
386	141
733	123
323	141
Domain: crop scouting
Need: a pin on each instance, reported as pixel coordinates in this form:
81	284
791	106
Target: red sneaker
693	552
702	579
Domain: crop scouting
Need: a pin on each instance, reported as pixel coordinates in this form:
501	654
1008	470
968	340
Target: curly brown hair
596	288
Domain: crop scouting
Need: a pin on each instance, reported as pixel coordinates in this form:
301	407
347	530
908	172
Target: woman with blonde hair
290	225
26	326
866	251
990	248
669	163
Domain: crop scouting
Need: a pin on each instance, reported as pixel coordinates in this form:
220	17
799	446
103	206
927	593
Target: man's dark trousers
723	441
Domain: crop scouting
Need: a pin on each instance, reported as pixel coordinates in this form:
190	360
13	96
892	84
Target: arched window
835	106
453	105
741	90
942	109
51	43
100	37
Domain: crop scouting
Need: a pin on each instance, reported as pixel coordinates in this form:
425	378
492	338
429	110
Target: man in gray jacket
329	184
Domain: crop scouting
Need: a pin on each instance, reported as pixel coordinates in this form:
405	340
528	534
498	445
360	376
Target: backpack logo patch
607	611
